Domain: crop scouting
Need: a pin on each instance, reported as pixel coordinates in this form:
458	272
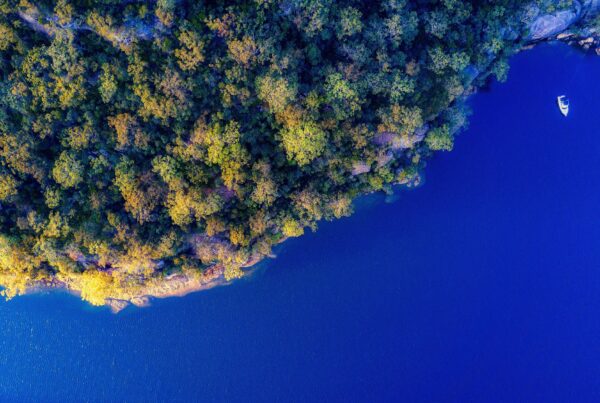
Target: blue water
482	285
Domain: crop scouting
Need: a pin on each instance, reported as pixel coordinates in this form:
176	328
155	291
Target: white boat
563	104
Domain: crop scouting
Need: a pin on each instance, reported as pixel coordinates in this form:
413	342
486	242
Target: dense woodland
144	138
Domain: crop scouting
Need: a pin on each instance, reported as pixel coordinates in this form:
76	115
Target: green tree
291	228
276	92
342	96
8	186
350	22
108	84
165	11
440	139
304	143
191	53
67	170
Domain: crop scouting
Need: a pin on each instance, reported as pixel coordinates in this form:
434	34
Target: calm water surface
482	285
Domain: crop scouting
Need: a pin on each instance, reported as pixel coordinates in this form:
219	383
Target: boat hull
562	105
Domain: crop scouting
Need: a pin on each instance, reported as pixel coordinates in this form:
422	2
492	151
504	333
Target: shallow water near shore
481	285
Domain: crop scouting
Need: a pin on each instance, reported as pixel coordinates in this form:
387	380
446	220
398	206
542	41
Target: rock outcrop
124	35
547	26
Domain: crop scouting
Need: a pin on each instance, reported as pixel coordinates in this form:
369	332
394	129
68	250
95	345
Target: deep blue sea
481	285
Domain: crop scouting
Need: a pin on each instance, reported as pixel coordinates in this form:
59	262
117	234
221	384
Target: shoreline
175	285
182	283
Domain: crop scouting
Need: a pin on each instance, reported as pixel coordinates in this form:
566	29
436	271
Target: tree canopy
140	139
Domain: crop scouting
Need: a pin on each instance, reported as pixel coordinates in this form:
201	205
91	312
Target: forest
141	139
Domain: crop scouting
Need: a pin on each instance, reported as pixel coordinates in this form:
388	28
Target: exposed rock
409	179
546	26
384	159
384	138
141	302
124	34
360	167
116	305
405	142
564	36
31	18
549	25
586	41
401	142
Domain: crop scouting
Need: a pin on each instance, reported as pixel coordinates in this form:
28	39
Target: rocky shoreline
174	285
